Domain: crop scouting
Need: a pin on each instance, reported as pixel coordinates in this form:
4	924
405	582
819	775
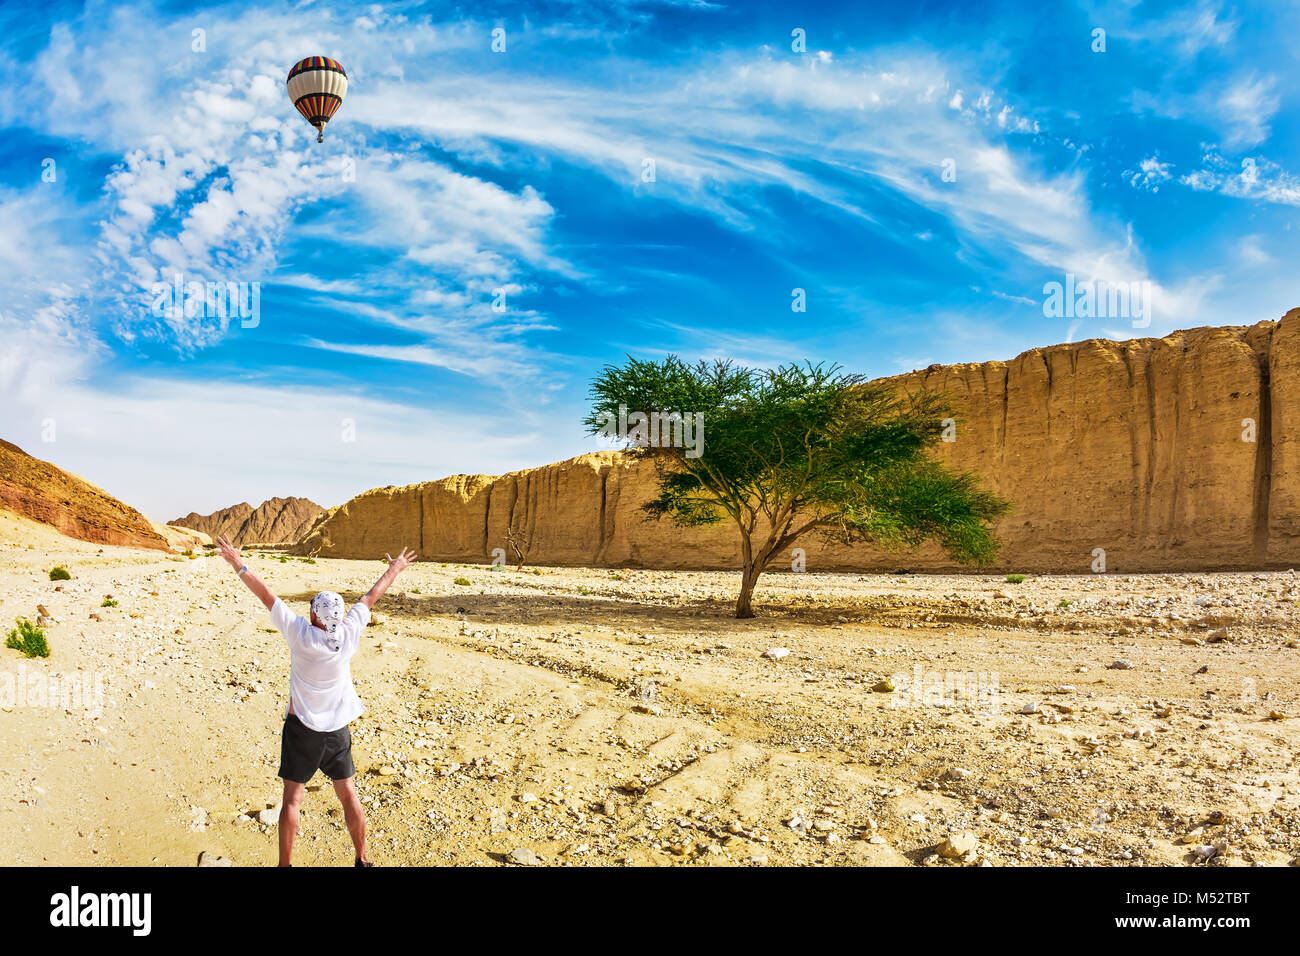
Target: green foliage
799	449
465	582
1015	579
108	602
1064	602
60	574
28	638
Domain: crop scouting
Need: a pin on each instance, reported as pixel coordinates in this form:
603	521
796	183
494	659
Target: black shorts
303	751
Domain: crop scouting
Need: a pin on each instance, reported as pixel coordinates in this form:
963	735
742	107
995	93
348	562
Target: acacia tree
520	543
796	450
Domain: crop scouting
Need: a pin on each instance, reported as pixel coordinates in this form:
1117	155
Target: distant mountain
275	521
46	493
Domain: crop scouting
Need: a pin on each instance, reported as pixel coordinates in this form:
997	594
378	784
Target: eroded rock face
46	493
274	521
1179	453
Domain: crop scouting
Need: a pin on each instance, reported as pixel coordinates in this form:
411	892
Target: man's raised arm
236	561
395	567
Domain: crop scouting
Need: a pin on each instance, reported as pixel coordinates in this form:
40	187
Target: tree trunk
749	577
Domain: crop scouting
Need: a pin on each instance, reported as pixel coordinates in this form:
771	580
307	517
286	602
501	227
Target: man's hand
395	567
253	582
230	552
400	563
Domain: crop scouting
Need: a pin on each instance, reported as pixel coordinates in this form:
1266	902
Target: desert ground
574	716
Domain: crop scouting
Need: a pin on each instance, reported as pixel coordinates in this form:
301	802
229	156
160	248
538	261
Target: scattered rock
522	856
958	845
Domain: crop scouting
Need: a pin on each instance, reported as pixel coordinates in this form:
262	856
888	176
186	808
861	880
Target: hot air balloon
316	87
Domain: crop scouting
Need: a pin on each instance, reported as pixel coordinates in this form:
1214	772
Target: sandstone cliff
43	492
1173	453
274	521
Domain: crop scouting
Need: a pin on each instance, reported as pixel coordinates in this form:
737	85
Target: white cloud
1254	178
1149	174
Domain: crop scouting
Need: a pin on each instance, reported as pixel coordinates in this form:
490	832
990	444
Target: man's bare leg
354	815
288	825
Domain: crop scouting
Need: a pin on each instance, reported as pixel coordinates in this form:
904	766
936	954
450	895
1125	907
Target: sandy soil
596	717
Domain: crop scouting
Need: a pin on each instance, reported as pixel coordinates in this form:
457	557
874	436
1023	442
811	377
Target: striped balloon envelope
316	87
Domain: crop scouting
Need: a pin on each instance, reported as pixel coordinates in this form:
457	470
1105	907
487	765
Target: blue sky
452	171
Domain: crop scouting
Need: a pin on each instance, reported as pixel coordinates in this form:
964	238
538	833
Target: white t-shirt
320	675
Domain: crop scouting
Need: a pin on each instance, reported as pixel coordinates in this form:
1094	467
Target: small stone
527	798
211	859
522	856
885	686
958	845
269	817
956	773
776	653
645	708
1033	707
1120	665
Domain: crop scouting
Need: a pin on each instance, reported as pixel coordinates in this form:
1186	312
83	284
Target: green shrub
60	574
1064	603
108	602
29	639
1015	579
462	581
